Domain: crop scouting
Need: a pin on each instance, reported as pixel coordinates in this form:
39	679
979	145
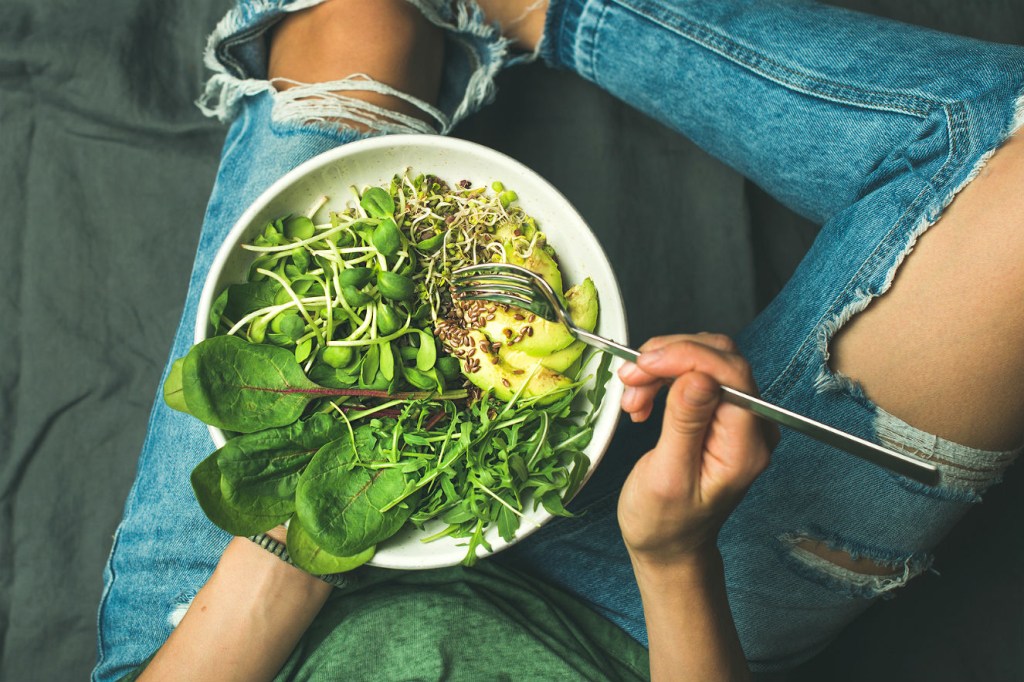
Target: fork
522	288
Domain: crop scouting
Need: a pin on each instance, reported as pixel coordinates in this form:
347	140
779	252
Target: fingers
664	358
691	403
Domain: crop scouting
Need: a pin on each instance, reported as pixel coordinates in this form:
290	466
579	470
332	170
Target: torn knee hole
844	559
850	570
358	102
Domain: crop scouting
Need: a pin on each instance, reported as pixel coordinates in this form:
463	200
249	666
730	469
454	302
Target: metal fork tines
522	288
516	286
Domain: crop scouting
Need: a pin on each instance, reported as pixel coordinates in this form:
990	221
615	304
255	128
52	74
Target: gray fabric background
105	167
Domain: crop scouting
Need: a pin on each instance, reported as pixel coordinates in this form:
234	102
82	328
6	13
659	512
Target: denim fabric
865	125
870	127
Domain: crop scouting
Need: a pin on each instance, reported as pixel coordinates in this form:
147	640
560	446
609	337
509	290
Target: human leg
816	106
165	548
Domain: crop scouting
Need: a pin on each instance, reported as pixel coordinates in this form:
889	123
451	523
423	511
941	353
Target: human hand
679	494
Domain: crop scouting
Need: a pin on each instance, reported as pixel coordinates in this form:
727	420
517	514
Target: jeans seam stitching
599	24
731	50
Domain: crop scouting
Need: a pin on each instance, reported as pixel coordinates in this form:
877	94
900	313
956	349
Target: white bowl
375	161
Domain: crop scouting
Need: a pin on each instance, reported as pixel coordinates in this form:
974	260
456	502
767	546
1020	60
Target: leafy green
342	492
330	371
266	465
377	203
309	556
244	387
206	481
174	394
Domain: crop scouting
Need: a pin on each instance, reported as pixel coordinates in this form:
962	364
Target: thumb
689	406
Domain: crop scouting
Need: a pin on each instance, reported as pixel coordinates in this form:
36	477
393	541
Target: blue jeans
866	126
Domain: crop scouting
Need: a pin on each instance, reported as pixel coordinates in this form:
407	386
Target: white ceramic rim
610	299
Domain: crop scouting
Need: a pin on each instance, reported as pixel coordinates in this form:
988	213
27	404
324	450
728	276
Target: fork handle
616	349
907	465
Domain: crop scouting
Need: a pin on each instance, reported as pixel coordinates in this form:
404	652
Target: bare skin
245	621
939	350
942	348
678	496
388	40
253	610
521	20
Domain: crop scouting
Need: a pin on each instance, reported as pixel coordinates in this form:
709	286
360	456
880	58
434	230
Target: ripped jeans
866	126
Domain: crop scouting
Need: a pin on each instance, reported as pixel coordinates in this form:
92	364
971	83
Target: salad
359	397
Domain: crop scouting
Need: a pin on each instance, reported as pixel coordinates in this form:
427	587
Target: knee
357	61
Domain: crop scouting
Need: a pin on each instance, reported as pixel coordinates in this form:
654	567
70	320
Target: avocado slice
539	262
487	370
583	307
511	327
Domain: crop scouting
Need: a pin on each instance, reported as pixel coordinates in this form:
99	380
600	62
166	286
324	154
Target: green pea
394	286
377	203
386	237
355	277
498	186
354	297
299	227
389	320
337	356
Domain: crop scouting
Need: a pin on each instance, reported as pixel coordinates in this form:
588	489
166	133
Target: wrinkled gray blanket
105	167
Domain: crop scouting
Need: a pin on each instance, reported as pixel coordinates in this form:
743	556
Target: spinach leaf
265	465
206	481
244	387
340	495
312	558
174	395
